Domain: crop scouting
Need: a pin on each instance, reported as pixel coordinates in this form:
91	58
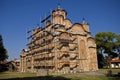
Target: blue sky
18	16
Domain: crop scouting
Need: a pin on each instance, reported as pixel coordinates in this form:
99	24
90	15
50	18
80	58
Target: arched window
82	49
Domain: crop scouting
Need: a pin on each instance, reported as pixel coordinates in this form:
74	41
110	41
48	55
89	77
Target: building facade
115	62
60	46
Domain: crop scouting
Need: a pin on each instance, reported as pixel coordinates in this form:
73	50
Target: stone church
60	46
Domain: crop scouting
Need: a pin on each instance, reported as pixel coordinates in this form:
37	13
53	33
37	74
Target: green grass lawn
89	77
7	75
100	75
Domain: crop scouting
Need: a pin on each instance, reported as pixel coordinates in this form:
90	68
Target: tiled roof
115	61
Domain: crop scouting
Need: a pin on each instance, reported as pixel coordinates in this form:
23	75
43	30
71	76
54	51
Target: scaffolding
56	51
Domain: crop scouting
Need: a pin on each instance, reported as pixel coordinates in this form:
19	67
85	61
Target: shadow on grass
112	76
110	73
40	78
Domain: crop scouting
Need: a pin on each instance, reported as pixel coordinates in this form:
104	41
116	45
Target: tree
3	51
108	44
101	60
118	45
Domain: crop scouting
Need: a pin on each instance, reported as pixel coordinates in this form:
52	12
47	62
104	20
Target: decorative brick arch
77	28
64	35
91	42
